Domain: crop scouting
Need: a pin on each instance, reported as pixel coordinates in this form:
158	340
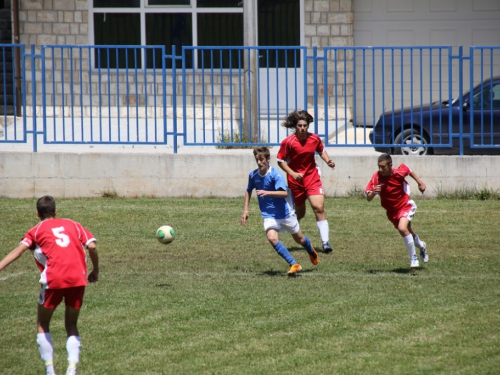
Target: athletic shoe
314	257
327	248
71	371
414	262
423	253
294	269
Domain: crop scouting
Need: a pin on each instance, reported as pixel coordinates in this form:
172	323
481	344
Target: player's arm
285	167
272	193
372	190
244	216
327	160
421	185
13	255
94	258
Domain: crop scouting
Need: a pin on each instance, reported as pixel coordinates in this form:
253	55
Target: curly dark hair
293	118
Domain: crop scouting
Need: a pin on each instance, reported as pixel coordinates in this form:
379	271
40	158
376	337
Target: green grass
217	300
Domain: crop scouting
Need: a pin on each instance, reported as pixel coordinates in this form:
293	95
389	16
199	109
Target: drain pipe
17	56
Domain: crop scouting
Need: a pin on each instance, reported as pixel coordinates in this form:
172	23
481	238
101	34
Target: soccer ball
165	234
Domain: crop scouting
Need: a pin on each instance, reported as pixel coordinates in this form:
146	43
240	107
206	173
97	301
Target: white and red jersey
299	155
395	191
58	246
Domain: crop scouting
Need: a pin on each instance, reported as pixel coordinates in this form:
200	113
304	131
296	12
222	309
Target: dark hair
46	207
385	157
293	118
262	150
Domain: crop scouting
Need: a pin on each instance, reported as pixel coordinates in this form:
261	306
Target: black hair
46	207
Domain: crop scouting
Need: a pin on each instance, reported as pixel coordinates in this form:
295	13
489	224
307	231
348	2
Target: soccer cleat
423	253
294	269
71	371
314	257
327	248
414	262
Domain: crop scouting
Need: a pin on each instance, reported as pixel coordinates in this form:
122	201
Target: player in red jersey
58	246
296	158
390	184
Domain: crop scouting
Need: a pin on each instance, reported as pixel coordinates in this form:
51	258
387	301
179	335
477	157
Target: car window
487	98
496	96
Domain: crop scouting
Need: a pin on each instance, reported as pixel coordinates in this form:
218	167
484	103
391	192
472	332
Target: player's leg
291	224
272	227
402	227
318	205
44	338
299	198
300	211
420	244
74	300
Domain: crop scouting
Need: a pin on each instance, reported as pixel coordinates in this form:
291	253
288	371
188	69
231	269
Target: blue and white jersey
271	207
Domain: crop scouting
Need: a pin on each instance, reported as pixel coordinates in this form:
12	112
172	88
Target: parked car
429	124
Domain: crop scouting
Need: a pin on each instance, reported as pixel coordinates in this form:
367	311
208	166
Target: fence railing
235	96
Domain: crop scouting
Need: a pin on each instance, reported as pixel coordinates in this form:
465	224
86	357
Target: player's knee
273	239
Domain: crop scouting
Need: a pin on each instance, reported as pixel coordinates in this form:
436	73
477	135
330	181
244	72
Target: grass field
217	300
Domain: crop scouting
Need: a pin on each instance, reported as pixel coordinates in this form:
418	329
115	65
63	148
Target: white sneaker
71	371
414	262
423	253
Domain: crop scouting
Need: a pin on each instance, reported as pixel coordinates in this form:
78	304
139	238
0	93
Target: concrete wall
221	174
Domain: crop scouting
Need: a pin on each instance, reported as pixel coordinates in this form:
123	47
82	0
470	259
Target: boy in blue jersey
276	206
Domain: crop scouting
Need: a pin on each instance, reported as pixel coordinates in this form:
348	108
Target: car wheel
406	138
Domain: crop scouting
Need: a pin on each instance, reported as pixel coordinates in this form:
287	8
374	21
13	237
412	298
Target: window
192	23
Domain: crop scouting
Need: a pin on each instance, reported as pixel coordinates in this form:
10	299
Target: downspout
17	56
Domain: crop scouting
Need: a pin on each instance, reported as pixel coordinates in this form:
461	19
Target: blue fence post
33	97
460	103
315	89
174	97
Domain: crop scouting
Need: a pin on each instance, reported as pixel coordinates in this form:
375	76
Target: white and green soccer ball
165	234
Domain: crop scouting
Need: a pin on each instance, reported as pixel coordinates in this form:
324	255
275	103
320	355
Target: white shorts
290	224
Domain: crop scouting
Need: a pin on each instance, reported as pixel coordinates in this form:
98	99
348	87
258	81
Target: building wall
65	22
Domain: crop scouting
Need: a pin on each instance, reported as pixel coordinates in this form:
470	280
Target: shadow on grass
283	273
163	285
403	271
300	248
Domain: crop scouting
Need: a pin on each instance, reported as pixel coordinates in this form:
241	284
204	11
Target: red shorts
407	211
310	185
51	298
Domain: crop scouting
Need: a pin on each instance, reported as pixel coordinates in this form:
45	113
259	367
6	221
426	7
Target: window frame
144	8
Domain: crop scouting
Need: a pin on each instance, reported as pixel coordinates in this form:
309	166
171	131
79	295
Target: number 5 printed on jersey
62	239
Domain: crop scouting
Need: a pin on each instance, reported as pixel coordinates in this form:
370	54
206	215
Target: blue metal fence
235	96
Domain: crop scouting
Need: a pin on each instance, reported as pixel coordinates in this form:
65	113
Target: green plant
468	193
109	192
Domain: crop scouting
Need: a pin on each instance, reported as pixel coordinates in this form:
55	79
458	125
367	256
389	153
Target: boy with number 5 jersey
390	184
276	206
58	246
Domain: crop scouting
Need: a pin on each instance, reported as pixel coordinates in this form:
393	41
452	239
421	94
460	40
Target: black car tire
406	138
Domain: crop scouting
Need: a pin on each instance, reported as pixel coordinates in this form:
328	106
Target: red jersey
58	246
395	191
299	155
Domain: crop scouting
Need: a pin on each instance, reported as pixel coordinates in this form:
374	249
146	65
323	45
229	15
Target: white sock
324	230
73	348
410	246
418	241
46	349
